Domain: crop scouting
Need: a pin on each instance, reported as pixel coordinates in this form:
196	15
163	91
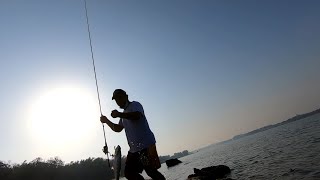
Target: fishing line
105	150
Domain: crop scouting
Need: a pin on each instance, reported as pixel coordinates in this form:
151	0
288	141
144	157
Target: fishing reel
105	149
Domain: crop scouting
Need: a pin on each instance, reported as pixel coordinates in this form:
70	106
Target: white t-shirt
138	133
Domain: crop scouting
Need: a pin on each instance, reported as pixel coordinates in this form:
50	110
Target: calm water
291	151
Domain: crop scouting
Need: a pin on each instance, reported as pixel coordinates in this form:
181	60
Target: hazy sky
204	71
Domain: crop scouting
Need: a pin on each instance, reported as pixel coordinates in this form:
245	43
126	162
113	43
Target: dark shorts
145	159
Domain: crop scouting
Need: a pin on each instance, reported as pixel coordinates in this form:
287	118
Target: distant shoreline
295	118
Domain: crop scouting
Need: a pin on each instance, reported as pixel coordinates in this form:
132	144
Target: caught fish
117	162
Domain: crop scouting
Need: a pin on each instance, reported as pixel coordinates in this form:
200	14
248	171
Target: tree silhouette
55	169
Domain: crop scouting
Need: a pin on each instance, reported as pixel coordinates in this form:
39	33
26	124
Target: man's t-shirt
138	133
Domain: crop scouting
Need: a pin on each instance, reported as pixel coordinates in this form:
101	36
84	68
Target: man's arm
129	115
113	126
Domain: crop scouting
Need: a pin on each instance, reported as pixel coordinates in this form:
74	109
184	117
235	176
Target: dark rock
210	173
172	162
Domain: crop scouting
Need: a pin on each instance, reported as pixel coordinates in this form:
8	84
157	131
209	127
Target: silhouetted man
143	153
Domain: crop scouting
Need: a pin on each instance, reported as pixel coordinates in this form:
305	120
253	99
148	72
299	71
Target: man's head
121	97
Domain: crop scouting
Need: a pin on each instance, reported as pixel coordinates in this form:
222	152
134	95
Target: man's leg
133	167
132	175
152	163
154	174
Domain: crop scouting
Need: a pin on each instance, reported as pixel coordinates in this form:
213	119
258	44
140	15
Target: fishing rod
105	148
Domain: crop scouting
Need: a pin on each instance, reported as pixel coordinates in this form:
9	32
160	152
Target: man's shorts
145	159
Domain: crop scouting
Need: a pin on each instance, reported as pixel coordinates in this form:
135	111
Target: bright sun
62	118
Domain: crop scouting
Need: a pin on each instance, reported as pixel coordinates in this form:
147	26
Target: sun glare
62	118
